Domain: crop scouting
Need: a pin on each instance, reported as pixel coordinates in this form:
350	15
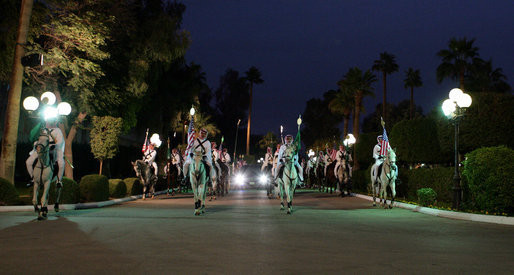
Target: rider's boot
31	182
36	209
44	211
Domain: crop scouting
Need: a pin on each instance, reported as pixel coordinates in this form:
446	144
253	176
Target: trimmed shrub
70	192
490	176
117	188
134	186
8	194
426	196
361	181
94	188
439	179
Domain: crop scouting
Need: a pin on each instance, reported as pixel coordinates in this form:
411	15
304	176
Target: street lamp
349	140
49	110
454	108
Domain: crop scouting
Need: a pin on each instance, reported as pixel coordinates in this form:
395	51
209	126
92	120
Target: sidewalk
448	214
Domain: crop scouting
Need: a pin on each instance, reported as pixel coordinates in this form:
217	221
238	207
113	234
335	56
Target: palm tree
358	83
342	104
412	79
253	75
457	60
387	65
483	78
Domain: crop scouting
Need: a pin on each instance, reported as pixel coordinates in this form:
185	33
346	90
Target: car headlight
263	179
240	179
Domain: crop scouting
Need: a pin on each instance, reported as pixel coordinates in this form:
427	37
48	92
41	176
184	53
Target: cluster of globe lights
50	111
457	98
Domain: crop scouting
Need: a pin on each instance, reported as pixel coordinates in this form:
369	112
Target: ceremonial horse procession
204	168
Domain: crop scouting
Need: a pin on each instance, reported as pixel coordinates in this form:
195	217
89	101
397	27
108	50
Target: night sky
303	47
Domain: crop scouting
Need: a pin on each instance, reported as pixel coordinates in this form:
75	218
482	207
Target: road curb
449	214
77	206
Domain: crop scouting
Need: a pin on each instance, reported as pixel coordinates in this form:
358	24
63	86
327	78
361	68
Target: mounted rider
280	164
225	158
149	157
379	159
268	160
56	146
327	159
202	145
175	160
342	158
215	156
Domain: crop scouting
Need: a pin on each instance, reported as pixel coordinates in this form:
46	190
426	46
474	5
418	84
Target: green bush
439	179
361	181
8	194
70	192
426	196
490	177
117	188
94	188
134	186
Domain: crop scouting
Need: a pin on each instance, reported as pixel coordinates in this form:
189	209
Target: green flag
297	142
34	133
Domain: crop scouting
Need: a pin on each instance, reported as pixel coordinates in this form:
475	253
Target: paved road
247	233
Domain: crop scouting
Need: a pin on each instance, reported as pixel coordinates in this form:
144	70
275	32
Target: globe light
50	113
299	120
64	108
311	153
351	139
48	98
448	107
156	140
455	93
464	101
192	111
30	103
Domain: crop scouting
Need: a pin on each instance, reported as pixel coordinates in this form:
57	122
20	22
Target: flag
34	133
146	143
168	154
333	154
190	136
385	144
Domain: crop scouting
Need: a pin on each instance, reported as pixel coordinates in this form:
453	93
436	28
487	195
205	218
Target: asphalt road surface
246	232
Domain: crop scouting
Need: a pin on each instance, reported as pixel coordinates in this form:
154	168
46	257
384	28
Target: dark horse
144	173
270	185
330	179
223	179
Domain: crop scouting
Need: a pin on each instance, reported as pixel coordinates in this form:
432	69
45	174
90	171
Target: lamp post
454	108
49	110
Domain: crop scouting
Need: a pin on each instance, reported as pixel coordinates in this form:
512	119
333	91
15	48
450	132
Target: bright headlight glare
263	179
240	179
50	113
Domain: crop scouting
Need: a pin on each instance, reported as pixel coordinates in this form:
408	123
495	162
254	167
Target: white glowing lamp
50	112
311	153
299	120
448	107
192	111
64	108
48	98
464	101
351	139
30	103
455	94
156	140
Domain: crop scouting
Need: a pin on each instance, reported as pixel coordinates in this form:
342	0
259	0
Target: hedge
134	186
8	194
70	192
490	176
117	188
94	188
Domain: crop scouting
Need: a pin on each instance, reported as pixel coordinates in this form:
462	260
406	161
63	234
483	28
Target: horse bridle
44	150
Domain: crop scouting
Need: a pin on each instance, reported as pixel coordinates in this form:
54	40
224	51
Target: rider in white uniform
289	142
379	159
225	158
56	145
215	155
149	157
340	158
203	145
268	159
275	160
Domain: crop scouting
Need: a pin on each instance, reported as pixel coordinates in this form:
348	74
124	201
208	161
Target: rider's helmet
379	139
289	139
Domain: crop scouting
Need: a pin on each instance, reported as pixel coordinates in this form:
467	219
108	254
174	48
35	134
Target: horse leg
281	193
34	198
58	188
393	194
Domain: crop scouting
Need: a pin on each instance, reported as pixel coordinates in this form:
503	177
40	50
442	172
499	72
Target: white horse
43	174
144	173
343	177
387	177
287	182
198	177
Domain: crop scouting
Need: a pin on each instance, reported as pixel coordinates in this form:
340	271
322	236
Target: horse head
43	147
288	154
391	157
137	165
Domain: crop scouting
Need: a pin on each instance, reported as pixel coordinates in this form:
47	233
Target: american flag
333	154
146	143
190	136
385	144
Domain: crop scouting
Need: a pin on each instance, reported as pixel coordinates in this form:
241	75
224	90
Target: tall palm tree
457	60
359	84
342	104
387	65
412	79
253	75
483	78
